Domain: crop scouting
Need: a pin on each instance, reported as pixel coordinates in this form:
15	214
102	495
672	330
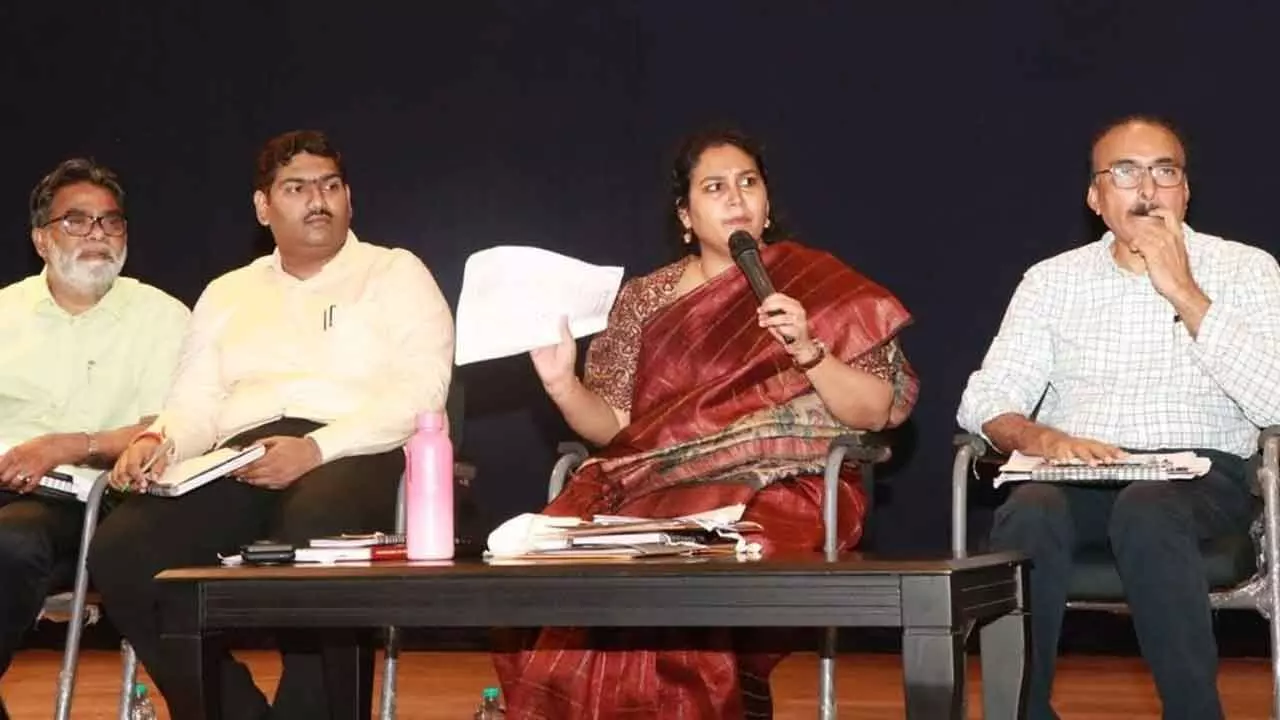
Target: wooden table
935	602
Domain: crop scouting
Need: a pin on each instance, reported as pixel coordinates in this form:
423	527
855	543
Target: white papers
533	536
1137	467
514	296
66	480
181	478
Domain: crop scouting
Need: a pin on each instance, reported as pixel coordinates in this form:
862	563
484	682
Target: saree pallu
720	416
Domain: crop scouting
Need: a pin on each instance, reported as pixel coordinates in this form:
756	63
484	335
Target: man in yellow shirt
323	352
87	355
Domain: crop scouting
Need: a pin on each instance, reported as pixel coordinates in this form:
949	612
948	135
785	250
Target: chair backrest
454	406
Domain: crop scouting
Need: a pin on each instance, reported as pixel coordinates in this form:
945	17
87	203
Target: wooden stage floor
448	686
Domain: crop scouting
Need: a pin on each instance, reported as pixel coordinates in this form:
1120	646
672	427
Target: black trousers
146	535
39	540
1154	530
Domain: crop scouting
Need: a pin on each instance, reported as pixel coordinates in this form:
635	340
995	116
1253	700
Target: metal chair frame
1260	593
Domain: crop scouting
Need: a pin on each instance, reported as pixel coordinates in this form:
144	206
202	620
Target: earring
688	238
767	223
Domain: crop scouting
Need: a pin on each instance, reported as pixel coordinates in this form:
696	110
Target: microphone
747	257
742	247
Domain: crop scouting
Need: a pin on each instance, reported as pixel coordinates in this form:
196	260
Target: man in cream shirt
86	355
323	352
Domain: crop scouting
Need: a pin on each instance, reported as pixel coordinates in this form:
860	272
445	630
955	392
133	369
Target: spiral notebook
68	482
64	482
1137	467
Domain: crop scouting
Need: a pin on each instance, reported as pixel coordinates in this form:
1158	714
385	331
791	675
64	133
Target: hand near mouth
1164	250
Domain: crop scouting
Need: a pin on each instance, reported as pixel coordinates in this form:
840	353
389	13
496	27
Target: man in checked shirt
1155	337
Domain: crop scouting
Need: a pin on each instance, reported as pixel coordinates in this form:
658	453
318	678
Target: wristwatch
812	362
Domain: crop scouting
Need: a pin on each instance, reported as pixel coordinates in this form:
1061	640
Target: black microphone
746	255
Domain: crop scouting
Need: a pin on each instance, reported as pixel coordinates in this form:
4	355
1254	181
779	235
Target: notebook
1137	467
65	482
192	473
68	482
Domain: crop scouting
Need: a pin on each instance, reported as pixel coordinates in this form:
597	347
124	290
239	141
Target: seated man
1156	337
323	352
86	355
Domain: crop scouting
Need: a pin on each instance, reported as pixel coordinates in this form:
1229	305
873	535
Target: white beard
92	276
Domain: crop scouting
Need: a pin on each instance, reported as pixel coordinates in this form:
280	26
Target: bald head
1123	133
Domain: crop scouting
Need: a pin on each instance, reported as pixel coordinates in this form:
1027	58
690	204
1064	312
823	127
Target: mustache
1142	209
103	249
318	213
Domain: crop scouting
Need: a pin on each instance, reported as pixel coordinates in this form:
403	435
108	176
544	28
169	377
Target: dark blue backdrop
939	147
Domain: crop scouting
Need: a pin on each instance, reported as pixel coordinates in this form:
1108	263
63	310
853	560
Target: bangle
812	362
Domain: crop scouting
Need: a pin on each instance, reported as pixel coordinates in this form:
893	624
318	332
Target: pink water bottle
429	490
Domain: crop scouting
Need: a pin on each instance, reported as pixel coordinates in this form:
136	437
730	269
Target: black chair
865	449
1240	567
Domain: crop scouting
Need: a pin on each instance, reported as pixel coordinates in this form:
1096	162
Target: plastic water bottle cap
490	694
431	421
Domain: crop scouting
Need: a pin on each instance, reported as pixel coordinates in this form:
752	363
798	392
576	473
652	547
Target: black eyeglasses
1127	176
79	224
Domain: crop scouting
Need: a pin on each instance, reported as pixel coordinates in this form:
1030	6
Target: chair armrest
1269	435
861	447
969	447
1268	486
979	446
571	456
1268	442
464	473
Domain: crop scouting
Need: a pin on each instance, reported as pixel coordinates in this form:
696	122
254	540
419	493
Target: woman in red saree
698	403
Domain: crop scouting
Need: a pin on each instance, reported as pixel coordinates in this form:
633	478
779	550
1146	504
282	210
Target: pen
165	446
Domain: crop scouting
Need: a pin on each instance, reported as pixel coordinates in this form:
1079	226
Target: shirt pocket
356	339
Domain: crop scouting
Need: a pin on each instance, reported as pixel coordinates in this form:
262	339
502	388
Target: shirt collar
41	297
335	266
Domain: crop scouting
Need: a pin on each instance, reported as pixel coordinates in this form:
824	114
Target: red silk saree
719	416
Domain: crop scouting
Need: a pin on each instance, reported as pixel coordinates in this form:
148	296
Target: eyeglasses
1127	176
78	224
